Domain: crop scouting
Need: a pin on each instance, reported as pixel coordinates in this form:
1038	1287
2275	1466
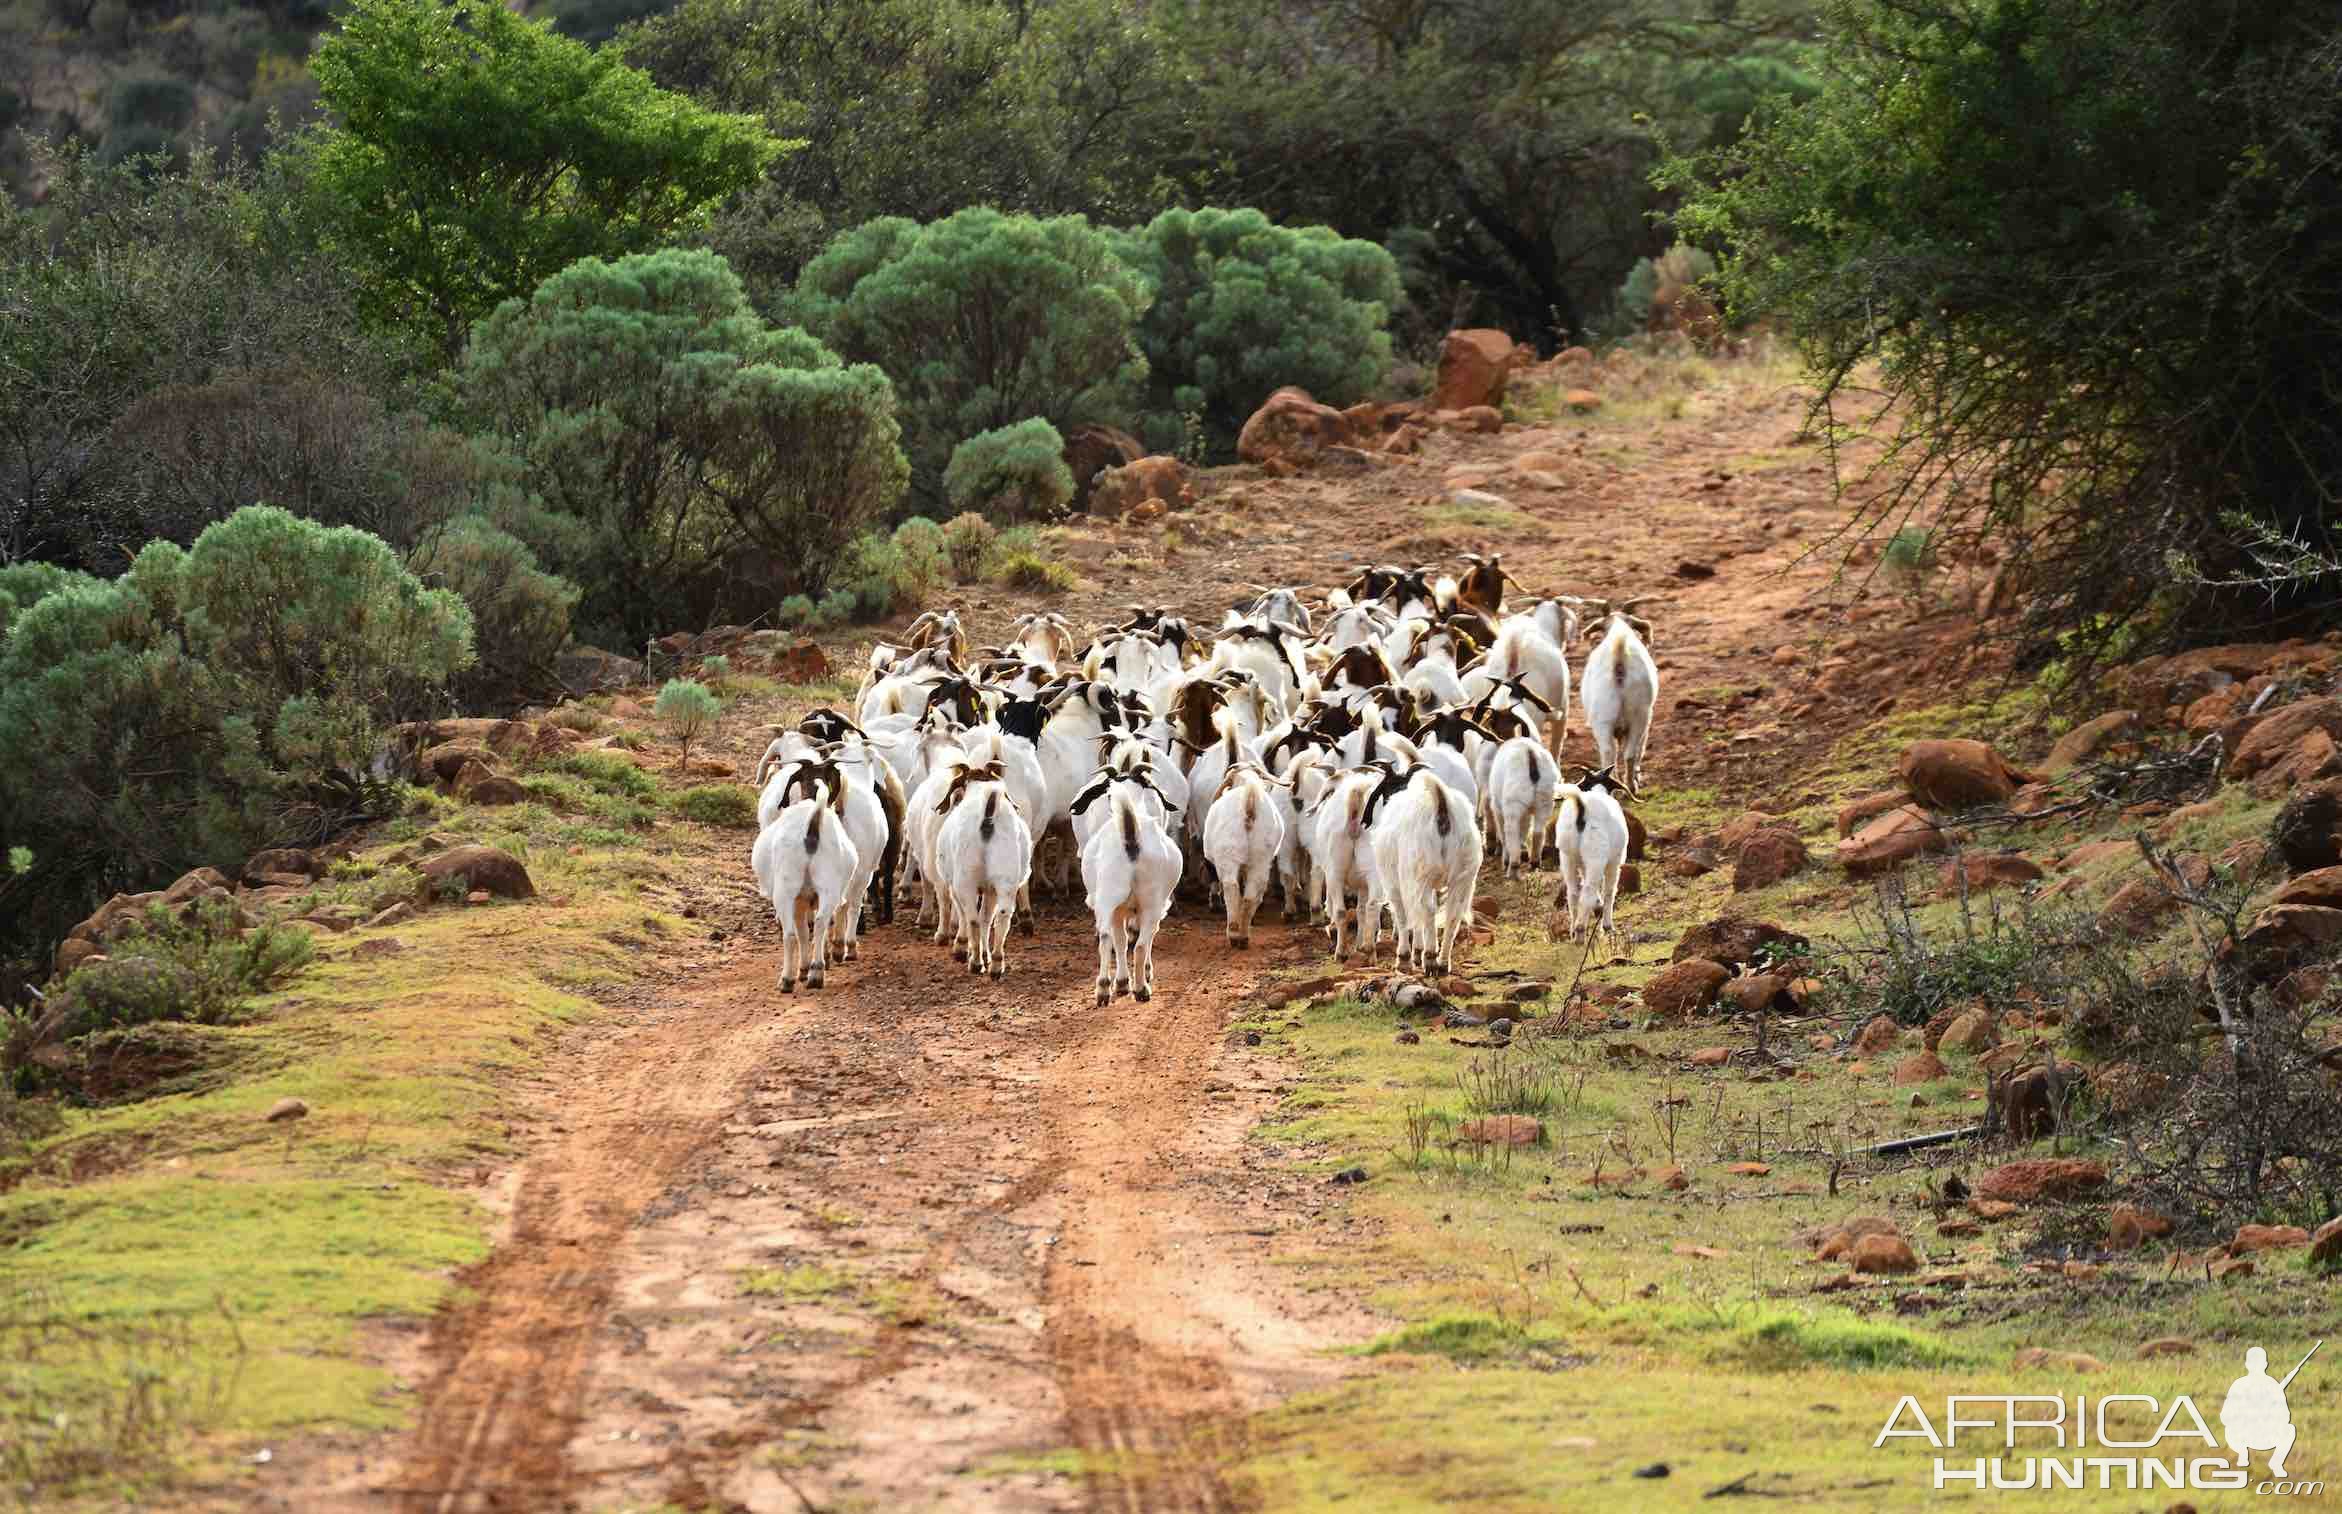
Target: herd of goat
1356	759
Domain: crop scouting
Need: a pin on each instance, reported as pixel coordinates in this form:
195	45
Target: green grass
731	806
795	1284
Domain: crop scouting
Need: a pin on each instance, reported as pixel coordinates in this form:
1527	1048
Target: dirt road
891	1246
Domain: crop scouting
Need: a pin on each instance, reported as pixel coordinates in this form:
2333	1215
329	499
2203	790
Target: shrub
1056	307
152	101
520	613
1242	306
688	711
873	572
796	610
724	804
713	671
920	541
209	702
1678	268
1015	473
838	607
608	774
2000	207
698	451
968	540
1034	573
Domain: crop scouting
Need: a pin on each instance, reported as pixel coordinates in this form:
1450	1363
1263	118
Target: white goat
1342	860
1524	652
983	857
1621	689
805	865
1130	867
1523	784
1243	834
1589	830
1427	862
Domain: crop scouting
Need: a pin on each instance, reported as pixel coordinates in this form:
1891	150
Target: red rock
2169	1345
481	868
282	859
1919	1067
1750	1169
1671	1178
2238	1266
1891	840
1291	428
1710	1056
2321	887
1091	450
2128	1227
1118	492
2290	930
1685	988
2251	1238
2326	1245
2040	1178
2088	739
2138	908
2313	757
1971	1032
1503	1130
1957	1228
2060	1361
1853	815
2275	736
1831	1241
1958	775
1883	1253
1759	993
1991	1211
1768	857
1988	870
1734	940
1473	367
1881	1033
495	790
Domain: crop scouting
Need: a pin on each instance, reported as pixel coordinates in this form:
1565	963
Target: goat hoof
1000	970
788	985
1142	994
1029	928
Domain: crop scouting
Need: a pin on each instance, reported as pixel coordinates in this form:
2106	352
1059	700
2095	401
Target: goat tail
1439	814
1251	807
991	803
1129	831
813	832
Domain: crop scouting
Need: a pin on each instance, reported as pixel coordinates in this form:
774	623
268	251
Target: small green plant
723	804
969	541
796	1284
715	672
924	555
837	608
797	610
579	718
1034	573
608	774
689	712
1910	552
1015	472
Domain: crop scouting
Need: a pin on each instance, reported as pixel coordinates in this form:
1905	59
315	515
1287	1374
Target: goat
983	856
1528	660
1130	869
1243	834
1621	691
1523	784
1589	831
1342	860
939	628
804	863
1427	862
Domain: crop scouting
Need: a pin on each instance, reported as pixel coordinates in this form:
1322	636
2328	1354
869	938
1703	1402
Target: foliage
1242	306
1500	148
1680	267
688	710
729	805
706	462
919	108
520	613
1033	572
796	610
2089	247
476	153
1047	308
208	702
122	287
968	540
1014	472
920	541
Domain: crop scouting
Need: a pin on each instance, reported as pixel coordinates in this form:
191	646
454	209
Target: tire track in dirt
1069	1188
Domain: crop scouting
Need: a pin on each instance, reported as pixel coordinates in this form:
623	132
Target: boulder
2088	739
1971	1032
1581	401
1733	941
1473	367
1502	1130
1919	1067
2028	1107
1891	840
2313	757
802	662
2293	930
1118	492
444	763
1758	993
2128	1227
279	859
1879	1034
2252	1238
1856	813
1684	988
2307	830
1831	1241
1767	857
1292	429
1882	1253
2325	1246
287	1109
2137	909
2274	737
1091	450
1637	835
73	951
2041	1178
1979	871
496	790
481	868
204	882
2321	887
585	670
1958	775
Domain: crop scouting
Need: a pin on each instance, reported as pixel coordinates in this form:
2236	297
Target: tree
701	460
1507	142
478	153
982	320
2093	248
207	702
919	108
688	711
1242	306
1016	472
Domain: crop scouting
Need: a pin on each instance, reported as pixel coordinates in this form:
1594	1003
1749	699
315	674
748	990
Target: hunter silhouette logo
2254	1416
2137	1442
